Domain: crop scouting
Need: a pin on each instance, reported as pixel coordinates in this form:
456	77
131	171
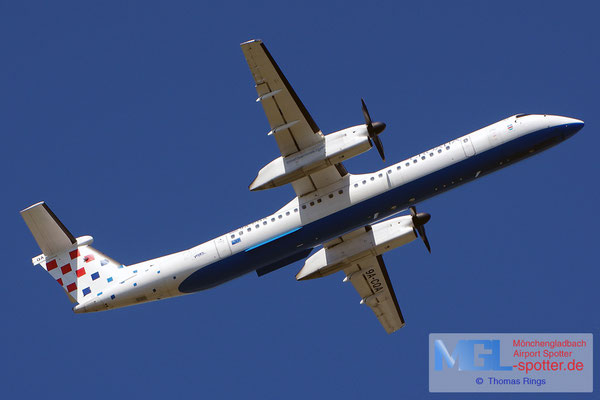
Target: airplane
352	218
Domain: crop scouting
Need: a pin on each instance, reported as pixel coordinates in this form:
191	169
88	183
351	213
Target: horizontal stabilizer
49	233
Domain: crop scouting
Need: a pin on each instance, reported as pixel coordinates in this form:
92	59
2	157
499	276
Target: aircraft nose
565	126
573	126
577	124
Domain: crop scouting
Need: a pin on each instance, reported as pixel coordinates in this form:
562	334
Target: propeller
419	220
374	129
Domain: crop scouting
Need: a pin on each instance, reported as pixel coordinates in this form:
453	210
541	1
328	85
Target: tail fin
82	271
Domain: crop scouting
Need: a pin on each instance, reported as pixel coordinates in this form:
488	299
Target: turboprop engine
374	241
370	241
337	147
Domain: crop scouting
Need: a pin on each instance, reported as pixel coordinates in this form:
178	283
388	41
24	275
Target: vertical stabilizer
82	271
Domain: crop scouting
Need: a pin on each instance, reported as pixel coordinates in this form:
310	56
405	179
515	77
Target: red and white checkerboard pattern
83	272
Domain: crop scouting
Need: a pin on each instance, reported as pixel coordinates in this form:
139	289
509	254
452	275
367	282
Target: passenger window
312	203
257	226
355	185
240	233
407	164
287	213
272	219
318	200
430	154
295	210
415	161
264	222
304	206
447	147
279	216
364	182
389	171
439	150
232	236
422	157
380	175
398	167
249	229
372	178
340	191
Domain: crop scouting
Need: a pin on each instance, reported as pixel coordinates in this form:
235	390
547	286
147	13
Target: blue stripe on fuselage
384	205
272	239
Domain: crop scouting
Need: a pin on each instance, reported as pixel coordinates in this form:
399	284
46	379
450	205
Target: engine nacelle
337	147
380	238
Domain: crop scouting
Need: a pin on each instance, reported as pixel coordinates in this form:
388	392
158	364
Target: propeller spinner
419	220
374	129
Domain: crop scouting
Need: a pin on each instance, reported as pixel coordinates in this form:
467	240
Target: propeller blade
366	115
419	221
379	146
374	129
421	231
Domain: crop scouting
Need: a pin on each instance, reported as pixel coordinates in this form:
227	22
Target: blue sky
137	123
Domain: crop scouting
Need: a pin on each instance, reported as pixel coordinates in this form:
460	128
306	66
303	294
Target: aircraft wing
291	124
370	279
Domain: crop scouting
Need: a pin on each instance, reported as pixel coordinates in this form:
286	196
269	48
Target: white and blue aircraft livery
347	215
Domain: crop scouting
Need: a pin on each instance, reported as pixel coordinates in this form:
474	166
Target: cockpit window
521	115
